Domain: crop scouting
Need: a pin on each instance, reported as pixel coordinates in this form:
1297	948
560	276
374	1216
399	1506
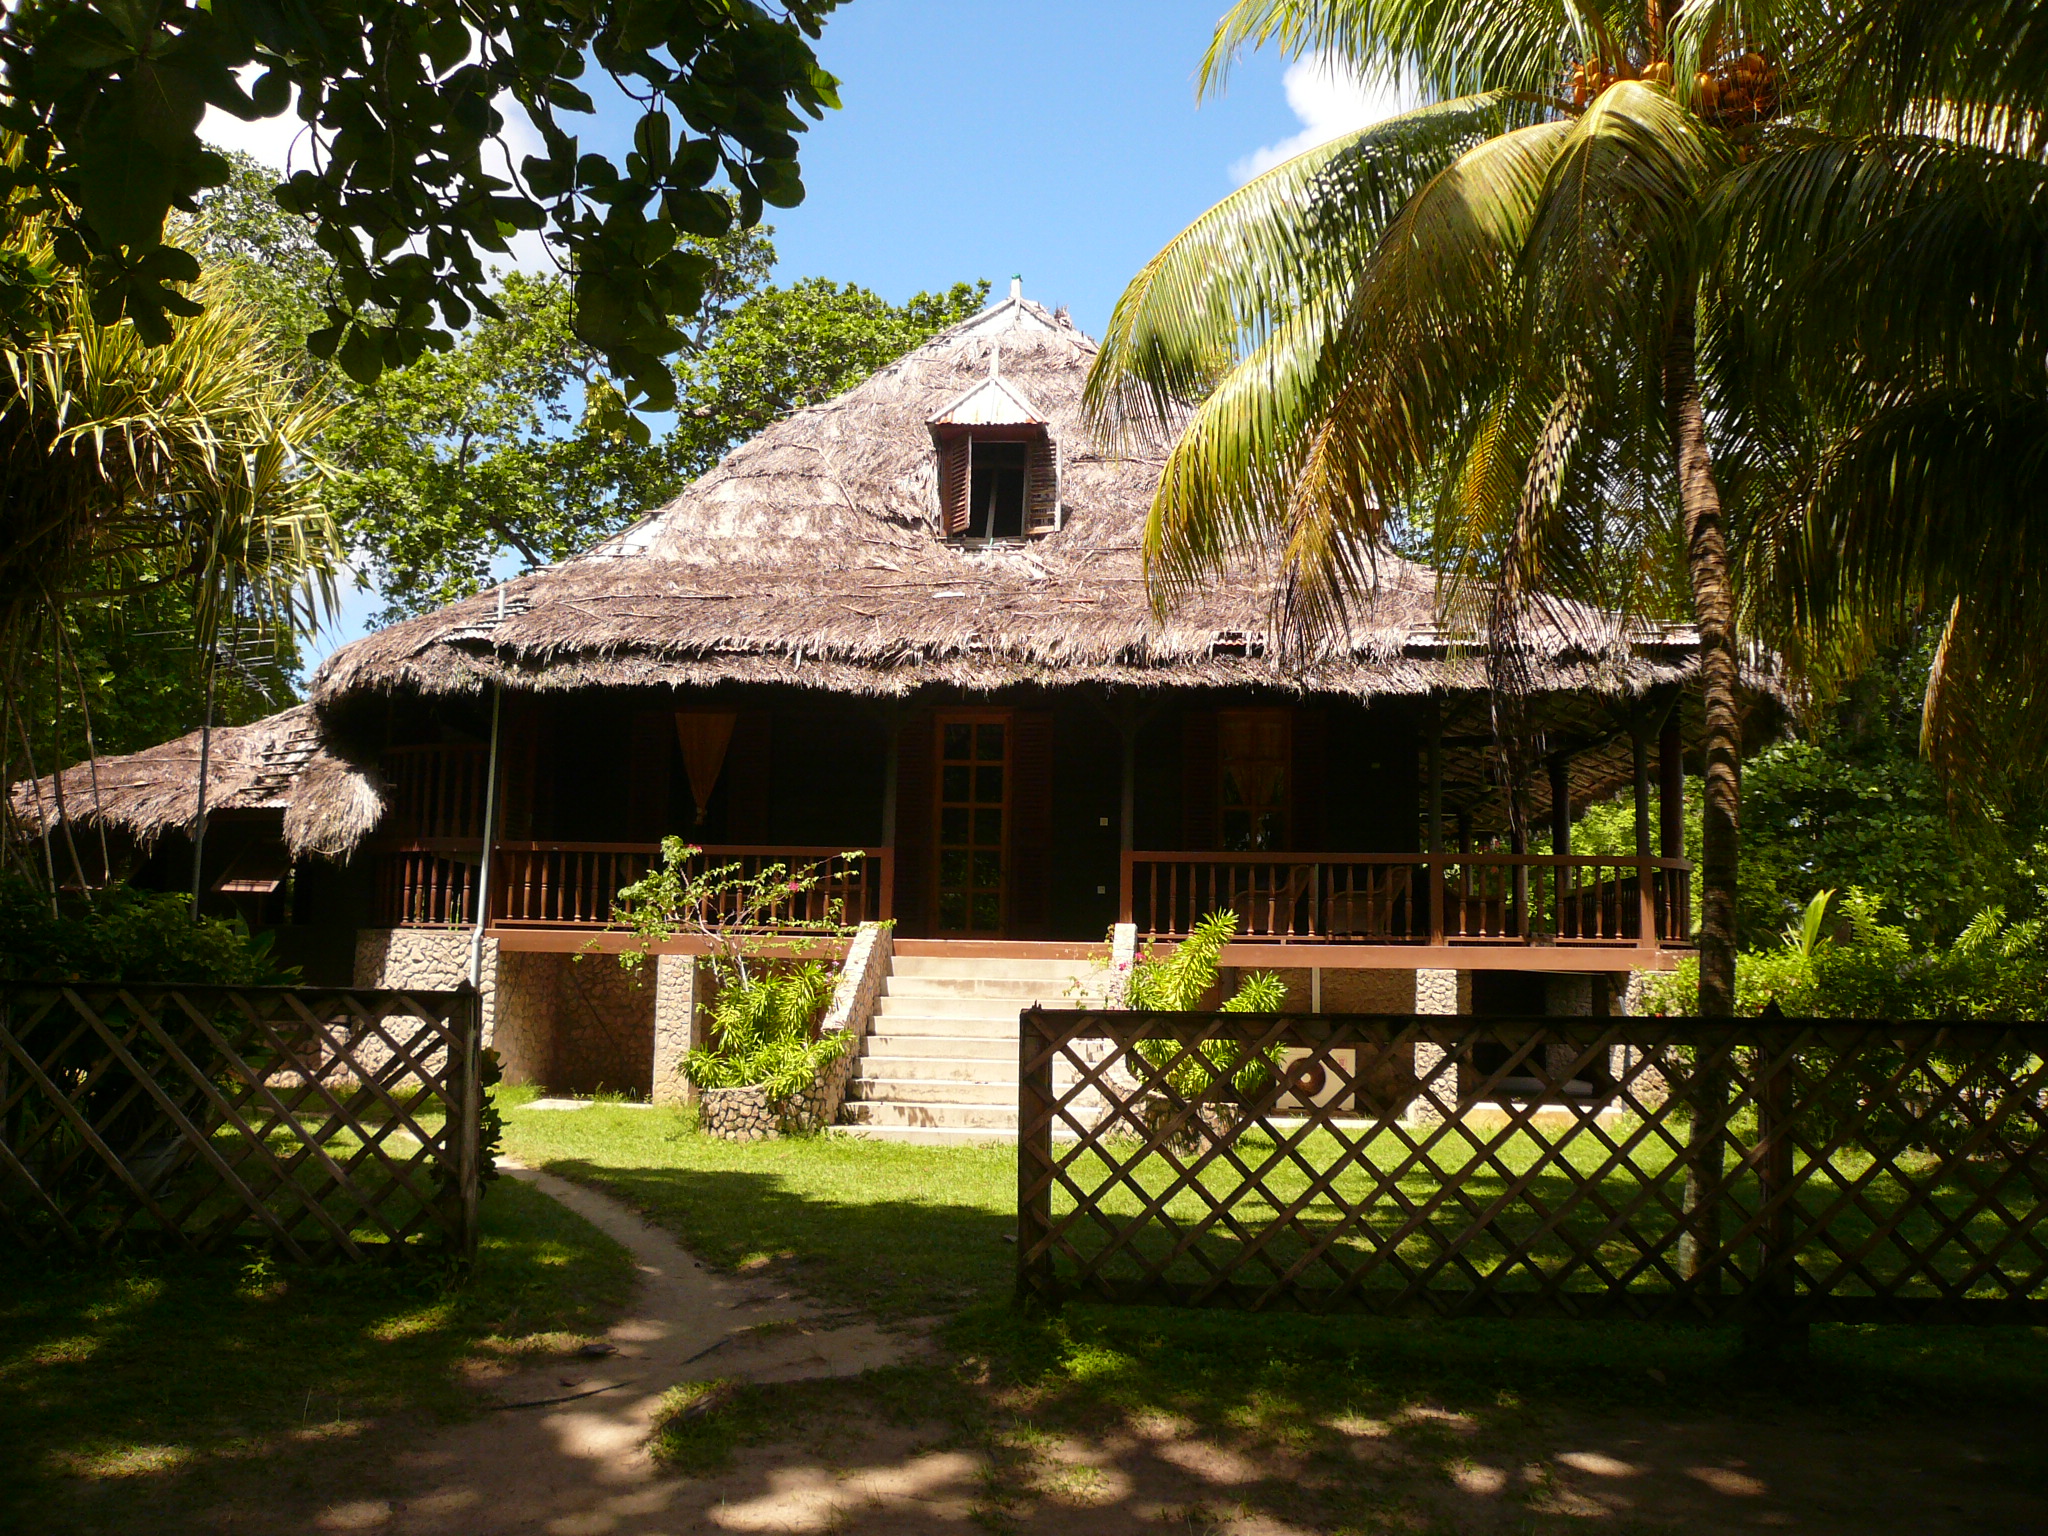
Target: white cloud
1329	99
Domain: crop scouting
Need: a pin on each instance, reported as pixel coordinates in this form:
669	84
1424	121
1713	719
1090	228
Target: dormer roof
994	402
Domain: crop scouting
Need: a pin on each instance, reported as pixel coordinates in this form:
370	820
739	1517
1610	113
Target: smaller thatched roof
280	763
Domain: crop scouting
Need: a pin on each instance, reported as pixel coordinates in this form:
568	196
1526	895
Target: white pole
483	877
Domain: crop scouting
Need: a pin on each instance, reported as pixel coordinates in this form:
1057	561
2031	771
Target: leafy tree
411	187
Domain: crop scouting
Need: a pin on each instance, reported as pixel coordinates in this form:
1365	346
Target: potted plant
767	1070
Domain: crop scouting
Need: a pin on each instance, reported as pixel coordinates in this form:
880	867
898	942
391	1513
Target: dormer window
998	474
998	466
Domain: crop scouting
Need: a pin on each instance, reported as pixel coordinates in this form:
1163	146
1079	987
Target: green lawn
911	1231
139	1395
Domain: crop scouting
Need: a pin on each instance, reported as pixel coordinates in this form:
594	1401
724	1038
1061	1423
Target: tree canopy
411	188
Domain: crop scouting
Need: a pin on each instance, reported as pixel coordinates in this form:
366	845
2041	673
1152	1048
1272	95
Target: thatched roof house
914	620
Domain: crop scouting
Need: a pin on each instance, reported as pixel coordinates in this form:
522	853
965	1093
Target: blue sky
1059	139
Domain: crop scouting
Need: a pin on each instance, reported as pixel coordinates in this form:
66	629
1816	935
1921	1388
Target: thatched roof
276	764
812	556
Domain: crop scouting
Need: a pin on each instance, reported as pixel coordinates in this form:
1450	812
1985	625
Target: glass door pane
974	802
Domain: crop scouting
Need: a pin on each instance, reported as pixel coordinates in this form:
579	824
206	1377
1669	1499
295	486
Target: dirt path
564	1450
566	1454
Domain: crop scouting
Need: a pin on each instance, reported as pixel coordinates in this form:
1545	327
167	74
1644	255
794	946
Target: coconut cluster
1741	88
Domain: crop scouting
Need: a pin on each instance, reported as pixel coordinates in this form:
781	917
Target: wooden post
1561	803
1034	1156
1646	890
1518	844
1773	1334
1436	821
892	722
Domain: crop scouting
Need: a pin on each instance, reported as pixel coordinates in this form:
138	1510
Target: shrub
122	934
1178	983
765	1023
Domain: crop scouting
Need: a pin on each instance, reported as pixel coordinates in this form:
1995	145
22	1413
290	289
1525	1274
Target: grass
143	1395
903	1231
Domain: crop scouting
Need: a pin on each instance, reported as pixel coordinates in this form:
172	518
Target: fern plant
764	1023
1178	983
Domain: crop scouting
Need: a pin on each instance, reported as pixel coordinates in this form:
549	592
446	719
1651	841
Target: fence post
1773	1334
1034	1155
465	1112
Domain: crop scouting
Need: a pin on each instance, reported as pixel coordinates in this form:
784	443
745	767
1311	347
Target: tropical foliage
766	1033
408	181
1179	983
175	478
127	935
1850	963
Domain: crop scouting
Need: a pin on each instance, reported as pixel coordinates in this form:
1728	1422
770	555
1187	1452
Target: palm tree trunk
1713	601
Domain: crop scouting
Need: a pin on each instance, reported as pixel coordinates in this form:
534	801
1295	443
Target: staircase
939	1064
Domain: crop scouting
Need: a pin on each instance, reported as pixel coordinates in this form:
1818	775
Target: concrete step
941	1069
939	1024
988	965
966	1117
952	1095
1003	1008
942	1043
928	1135
1024	988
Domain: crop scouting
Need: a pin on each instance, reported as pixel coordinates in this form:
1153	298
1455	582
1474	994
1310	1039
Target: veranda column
675	1025
1436	1070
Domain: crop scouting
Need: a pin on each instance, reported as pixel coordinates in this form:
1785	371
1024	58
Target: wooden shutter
647	773
1031	770
1308	794
746	792
914	830
1200	822
519	780
1042	486
956	479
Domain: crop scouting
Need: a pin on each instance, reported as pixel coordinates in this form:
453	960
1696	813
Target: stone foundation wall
417	960
525	1039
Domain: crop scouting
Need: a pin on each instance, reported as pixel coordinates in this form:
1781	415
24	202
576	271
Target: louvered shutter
1042	486
955	478
1031	771
1201	827
915	813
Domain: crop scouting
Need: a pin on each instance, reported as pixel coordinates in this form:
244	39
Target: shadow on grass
140	1395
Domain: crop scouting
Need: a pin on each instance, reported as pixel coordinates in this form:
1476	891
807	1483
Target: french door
974	822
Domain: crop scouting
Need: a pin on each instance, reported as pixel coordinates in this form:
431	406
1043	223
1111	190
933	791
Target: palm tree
1888	262
1485	313
126	467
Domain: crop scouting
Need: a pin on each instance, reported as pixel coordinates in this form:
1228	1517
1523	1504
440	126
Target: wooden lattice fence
1774	1171
323	1124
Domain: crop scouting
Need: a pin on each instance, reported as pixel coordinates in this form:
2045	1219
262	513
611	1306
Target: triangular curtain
704	735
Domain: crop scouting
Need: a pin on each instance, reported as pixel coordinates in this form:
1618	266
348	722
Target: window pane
959	740
988	868
988	911
953	824
988	786
955	782
953	910
988	743
988	828
953	866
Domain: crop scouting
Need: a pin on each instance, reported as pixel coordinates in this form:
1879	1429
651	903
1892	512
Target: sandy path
566	1451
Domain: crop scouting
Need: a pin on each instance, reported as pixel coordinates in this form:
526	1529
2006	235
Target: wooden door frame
941	718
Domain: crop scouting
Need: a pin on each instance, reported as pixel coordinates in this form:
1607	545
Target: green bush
764	1023
1178	983
122	934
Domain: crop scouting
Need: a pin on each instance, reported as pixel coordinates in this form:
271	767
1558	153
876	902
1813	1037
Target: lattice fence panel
324	1124
1657	1168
